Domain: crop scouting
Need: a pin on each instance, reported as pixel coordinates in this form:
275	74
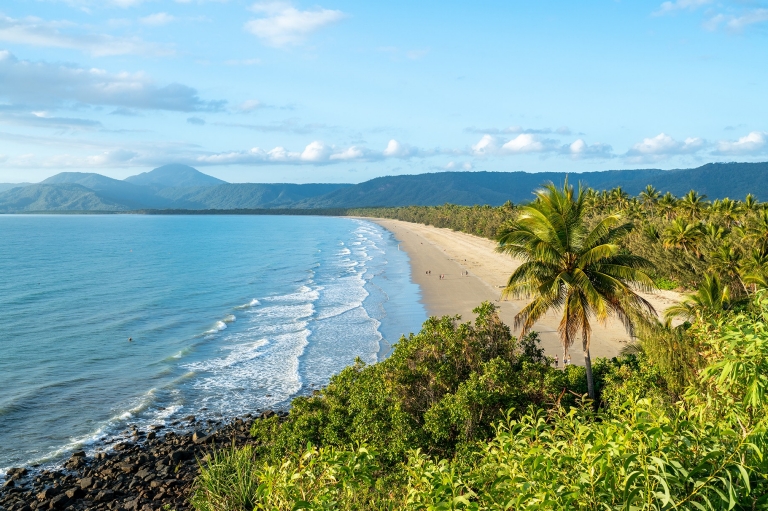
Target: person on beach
557	360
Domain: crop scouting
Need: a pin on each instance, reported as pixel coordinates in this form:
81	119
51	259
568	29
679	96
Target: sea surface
225	315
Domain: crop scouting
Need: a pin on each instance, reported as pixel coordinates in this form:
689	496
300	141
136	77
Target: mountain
246	195
716	180
128	195
54	197
182	187
174	175
10	186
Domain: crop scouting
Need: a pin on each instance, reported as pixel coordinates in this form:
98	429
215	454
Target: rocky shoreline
148	470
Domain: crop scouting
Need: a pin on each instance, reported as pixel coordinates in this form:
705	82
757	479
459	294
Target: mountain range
181	187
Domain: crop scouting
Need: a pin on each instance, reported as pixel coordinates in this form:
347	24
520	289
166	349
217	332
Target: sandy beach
452	254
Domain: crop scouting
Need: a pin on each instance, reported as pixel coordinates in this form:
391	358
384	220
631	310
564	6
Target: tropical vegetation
467	416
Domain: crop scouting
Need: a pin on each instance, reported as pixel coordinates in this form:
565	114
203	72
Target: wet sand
450	253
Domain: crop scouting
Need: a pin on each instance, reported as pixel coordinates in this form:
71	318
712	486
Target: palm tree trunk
590	380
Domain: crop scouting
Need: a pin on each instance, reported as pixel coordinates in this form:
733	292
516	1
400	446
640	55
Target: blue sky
342	91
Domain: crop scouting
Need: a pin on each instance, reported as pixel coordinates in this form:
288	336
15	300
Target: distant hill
9	186
174	175
127	195
246	195
716	180
182	187
54	197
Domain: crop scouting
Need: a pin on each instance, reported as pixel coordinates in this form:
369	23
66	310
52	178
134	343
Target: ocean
111	320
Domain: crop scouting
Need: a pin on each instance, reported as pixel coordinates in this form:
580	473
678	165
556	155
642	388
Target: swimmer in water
130	339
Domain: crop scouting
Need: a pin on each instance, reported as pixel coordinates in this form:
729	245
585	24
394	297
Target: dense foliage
482	221
417	431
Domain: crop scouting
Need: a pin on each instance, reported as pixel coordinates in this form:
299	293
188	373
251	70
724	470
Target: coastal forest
469	415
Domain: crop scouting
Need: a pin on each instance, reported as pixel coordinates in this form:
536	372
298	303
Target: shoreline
451	253
144	471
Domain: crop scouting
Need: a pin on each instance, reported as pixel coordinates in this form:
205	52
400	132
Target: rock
78	454
127	468
267	414
151	435
105	496
86	482
181	455
203	439
9	484
75	493
59	502
46	494
16	472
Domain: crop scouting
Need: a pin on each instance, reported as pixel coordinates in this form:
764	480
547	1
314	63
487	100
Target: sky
345	91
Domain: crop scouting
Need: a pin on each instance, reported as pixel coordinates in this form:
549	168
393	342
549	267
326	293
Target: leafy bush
417	431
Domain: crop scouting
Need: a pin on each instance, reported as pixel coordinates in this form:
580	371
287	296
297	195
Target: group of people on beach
442	275
566	361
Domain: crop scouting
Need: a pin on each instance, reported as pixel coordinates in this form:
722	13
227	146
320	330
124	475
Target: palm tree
692	203
650	196
570	268
683	235
712	297
668	205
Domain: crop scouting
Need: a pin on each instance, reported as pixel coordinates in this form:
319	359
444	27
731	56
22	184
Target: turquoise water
227	314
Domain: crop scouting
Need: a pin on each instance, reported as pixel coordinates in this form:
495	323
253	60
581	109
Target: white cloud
755	142
284	25
524	143
738	23
351	153
158	19
485	146
395	149
44	84
315	152
663	146
37	32
580	149
679	5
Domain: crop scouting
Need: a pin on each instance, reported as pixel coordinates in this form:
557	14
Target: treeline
686	238
482	221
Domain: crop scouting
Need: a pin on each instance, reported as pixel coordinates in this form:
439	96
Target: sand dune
451	253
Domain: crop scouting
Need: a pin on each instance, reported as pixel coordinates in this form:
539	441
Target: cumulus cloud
395	149
485	146
37	32
754	143
351	153
46	84
580	149
158	19
315	152
663	146
524	143
680	5
284	25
